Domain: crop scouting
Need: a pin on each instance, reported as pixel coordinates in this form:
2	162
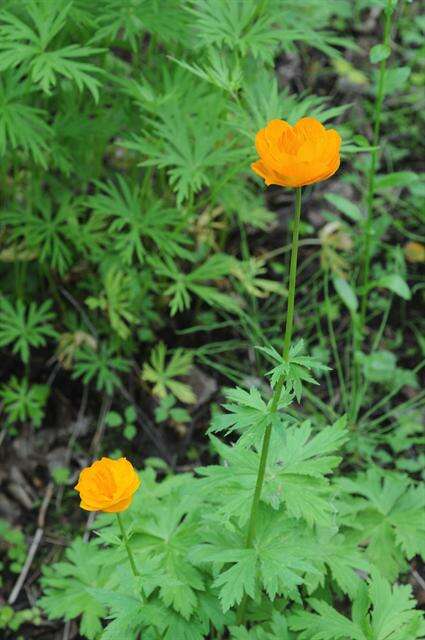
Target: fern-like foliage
132	223
25	326
23	126
28	43
22	401
188	148
101	365
162	374
50	231
180	285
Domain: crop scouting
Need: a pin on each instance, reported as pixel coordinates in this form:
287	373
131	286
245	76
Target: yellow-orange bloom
414	252
108	485
298	155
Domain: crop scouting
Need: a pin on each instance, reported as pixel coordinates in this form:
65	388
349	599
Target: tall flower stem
127	546
366	257
277	390
374	161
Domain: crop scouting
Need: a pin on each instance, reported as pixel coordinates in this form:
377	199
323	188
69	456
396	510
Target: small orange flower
414	252
298	155
108	485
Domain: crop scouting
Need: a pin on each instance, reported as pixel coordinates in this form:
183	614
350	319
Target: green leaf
237	580
380	612
379	52
247	412
346	293
162	373
25	326
325	624
399	179
395	79
379	366
66	588
396	284
350	209
387	517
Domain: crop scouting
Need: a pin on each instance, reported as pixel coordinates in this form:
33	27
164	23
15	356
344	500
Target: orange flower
414	252
108	485
298	155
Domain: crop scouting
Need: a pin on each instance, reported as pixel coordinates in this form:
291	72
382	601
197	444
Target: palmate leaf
22	401
295	370
165	538
163	373
295	474
247	413
385	510
188	147
127	20
184	284
50	230
22	126
379	612
67	588
27	43
102	365
25	326
237	25
117	300
343	558
276	563
222	73
275	629
130	222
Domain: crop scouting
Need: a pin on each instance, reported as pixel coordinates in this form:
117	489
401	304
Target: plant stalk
366	257
277	390
373	164
127	546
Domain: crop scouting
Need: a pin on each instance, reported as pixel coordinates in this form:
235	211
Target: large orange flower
298	155
108	485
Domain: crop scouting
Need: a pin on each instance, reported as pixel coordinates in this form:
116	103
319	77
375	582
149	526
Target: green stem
277	390
366	257
127	546
332	339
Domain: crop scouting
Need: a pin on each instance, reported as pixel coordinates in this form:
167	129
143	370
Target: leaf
246	411
295	474
396	284
67	588
25	43
135	225
379	366
388	517
380	612
395	79
399	179
325	624
237	580
162	374
379	52
346	293
25	326
350	209
22	126
295	370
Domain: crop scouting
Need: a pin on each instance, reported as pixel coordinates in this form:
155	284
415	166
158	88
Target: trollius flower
296	156
107	485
